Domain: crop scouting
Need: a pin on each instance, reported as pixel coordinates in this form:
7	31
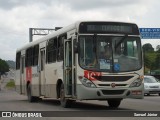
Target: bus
68	65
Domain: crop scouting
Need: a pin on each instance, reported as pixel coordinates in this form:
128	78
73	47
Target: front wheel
114	103
66	103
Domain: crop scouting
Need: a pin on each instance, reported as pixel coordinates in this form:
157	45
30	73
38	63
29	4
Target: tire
159	94
114	103
148	94
29	94
66	103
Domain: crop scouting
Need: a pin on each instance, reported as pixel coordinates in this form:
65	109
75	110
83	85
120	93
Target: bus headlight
136	83
87	82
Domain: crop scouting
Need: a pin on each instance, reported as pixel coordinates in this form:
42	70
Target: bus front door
68	77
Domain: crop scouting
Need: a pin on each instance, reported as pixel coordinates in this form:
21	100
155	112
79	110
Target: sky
17	16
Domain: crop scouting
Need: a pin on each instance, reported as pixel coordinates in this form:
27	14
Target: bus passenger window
18	55
60	55
35	55
52	50
29	57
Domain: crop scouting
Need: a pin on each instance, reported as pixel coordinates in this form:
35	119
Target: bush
10	84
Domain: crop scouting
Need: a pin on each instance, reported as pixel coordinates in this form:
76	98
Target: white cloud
7	52
17	16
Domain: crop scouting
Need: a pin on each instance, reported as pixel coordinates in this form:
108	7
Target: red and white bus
68	64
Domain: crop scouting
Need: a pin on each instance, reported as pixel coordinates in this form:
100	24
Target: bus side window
51	50
18	55
35	55
55	50
60	52
29	57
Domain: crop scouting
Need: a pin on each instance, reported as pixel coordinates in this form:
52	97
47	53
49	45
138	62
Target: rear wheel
66	103
114	103
29	94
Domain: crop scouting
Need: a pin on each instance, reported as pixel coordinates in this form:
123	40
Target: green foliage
10	84
149	60
148	48
157	61
3	66
158	51
158	48
151	57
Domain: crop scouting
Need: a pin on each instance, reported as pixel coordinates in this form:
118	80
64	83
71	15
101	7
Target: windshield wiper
121	40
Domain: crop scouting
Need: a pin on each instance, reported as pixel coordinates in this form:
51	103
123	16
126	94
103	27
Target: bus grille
154	86
112	92
113	78
119	85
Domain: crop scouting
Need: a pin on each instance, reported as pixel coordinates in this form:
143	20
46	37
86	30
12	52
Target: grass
10	84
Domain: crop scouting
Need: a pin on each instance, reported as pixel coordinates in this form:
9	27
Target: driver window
86	46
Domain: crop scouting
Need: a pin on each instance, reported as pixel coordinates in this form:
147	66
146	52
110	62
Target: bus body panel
35	81
52	72
44	81
17	81
97	94
123	86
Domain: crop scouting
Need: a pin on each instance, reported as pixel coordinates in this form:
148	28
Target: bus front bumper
86	93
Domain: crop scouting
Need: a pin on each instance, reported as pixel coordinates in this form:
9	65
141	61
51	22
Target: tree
148	48
3	67
158	48
157	61
147	62
151	57
148	51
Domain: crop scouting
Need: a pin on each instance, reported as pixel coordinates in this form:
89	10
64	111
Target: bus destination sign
108	28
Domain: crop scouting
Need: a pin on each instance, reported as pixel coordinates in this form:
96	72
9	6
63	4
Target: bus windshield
110	53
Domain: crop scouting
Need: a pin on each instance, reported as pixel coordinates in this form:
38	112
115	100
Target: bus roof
49	36
59	32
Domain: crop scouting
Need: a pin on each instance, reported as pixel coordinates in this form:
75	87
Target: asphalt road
12	101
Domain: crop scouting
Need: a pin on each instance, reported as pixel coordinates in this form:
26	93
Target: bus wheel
148	94
29	94
114	103
64	102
